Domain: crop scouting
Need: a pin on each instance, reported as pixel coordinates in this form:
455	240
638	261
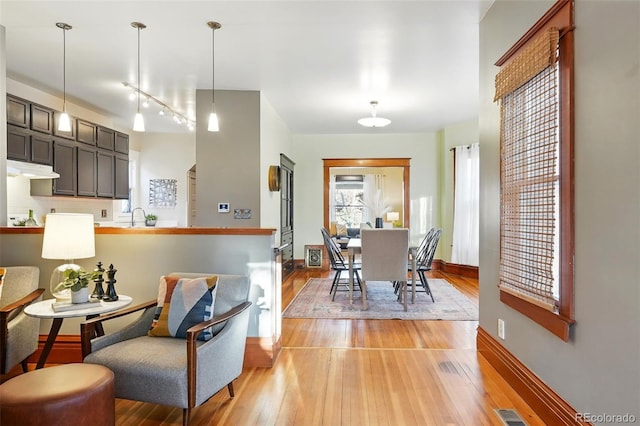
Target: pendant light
64	125
138	122
213	117
374	120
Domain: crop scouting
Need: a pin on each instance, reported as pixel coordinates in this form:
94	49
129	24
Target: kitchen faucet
133	223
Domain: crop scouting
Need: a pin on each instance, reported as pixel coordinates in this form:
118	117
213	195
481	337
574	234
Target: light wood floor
358	372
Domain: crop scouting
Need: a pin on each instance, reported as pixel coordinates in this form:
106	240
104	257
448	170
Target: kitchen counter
147	230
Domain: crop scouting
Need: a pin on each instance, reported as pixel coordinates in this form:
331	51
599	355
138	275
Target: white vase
80	296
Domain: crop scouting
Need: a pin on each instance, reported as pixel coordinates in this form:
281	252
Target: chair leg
186	413
25	368
334	286
230	387
425	284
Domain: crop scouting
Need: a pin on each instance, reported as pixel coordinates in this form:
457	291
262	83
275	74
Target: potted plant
78	282
150	219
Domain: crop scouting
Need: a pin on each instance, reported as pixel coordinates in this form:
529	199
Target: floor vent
510	417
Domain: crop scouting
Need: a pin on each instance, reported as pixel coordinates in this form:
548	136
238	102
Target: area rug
314	301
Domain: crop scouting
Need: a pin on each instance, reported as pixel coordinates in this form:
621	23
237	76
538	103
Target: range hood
30	170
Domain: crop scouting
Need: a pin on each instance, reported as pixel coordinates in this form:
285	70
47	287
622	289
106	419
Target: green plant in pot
150	220
78	283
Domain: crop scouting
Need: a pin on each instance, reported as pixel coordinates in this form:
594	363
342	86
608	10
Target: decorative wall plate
313	257
274	178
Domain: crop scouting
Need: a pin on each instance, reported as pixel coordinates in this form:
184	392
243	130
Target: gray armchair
18	332
173	371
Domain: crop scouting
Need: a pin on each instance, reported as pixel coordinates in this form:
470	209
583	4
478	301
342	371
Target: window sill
555	323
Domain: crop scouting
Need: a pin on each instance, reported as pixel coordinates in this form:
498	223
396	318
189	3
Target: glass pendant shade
64	125
213	122
67	236
138	123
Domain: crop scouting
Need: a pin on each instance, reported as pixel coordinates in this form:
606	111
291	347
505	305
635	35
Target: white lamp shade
138	123
68	236
213	122
64	125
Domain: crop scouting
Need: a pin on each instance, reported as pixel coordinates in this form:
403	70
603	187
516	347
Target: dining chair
419	253
384	258
338	264
424	259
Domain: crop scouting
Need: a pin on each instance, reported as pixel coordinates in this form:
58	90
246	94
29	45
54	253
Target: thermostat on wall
223	207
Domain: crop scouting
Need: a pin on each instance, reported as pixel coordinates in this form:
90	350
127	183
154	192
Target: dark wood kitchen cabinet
87	171
41	149
24	145
41	119
121	164
92	160
18	144
87	132
18	112
106	138
121	143
105	174
65	163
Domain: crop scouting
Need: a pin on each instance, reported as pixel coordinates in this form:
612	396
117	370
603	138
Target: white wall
597	371
275	138
166	156
309	150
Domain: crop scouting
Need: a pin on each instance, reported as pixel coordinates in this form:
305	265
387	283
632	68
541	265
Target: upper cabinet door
87	132
18	112
106	138
122	143
41	119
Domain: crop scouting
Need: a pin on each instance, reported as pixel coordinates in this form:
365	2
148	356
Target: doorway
349	163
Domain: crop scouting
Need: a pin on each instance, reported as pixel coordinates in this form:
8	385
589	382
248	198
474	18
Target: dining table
354	247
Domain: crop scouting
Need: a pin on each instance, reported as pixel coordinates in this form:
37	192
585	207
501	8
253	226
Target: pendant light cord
64	69
138	69
213	67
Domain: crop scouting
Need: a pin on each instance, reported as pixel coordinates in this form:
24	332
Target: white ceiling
319	63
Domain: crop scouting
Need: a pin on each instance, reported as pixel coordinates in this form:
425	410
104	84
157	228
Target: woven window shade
539	54
529	181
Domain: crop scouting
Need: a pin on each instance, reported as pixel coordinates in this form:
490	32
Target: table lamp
393	216
67	236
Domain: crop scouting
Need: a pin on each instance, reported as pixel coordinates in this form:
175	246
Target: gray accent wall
598	370
228	161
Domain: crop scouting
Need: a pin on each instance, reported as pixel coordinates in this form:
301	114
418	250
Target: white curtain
373	196
466	208
332	198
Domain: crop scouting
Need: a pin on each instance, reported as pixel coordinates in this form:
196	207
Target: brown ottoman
70	394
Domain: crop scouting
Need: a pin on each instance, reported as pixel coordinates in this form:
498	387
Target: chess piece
98	291
110	295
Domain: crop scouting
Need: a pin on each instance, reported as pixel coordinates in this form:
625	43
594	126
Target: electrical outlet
501	331
103	213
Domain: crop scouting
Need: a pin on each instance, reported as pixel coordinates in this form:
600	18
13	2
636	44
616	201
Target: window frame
558	323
